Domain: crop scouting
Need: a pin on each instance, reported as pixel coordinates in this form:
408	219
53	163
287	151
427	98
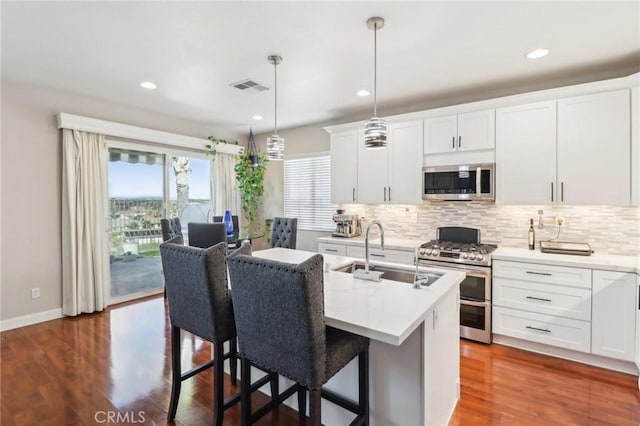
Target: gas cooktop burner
465	253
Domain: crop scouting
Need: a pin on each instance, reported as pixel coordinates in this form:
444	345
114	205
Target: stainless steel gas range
460	248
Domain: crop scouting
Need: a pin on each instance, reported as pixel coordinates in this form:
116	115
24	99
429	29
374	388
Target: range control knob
422	252
435	253
479	257
465	255
427	252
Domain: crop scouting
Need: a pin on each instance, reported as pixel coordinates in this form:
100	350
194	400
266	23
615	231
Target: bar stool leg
363	388
302	403
315	407
176	373
233	361
245	391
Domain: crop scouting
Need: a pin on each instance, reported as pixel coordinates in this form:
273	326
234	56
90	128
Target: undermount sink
394	274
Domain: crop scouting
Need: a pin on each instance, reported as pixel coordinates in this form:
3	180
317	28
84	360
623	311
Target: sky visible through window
129	180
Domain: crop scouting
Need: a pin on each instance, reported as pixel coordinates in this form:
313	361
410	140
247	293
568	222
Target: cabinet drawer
549	274
551	299
547	329
328	248
394	256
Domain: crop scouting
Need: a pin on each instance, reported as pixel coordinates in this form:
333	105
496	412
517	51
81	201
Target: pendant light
375	130
275	144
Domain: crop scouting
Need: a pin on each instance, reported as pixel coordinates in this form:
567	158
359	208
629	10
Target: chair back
197	290
206	235
279	314
170	228
284	232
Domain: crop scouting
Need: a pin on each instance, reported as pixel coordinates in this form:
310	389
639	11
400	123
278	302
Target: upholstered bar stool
279	313
284	232
200	303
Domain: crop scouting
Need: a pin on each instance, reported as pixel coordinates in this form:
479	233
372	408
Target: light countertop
607	262
389	243
387	311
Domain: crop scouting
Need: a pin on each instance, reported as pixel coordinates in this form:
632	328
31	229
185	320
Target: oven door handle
478	304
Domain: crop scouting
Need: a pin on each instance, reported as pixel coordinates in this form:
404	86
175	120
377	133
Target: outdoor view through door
144	188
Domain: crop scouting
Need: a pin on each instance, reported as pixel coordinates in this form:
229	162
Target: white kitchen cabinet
405	257
344	166
614	314
442	367
462	132
526	154
331	248
392	175
594	148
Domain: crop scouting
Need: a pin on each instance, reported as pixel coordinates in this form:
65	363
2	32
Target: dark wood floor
79	371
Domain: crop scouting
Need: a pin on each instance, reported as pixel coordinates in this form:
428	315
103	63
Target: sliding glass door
136	205
145	187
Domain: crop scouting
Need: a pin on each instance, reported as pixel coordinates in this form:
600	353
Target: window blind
307	192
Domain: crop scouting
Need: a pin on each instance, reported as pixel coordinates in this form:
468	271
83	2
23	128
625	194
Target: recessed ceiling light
257	117
363	93
537	53
148	85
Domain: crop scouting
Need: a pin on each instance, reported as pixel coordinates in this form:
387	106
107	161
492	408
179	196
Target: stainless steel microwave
462	182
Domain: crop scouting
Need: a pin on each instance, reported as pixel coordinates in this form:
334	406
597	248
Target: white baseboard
23	321
582	357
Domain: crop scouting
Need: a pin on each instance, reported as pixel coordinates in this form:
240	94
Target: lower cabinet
330	248
387	255
614	314
584	310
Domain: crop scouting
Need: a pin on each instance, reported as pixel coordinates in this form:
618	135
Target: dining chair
279	313
283	232
205	235
170	228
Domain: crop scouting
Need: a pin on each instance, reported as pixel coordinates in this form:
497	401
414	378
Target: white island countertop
386	311
607	262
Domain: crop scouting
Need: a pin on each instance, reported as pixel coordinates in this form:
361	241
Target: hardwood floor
115	366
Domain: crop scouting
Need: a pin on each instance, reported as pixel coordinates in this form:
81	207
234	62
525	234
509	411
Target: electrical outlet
35	293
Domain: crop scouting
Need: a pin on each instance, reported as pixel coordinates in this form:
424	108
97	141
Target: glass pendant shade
375	133
275	148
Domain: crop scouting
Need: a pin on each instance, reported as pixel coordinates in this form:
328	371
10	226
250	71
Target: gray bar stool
279	314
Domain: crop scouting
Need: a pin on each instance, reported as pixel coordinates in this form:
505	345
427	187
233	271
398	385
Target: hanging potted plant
250	168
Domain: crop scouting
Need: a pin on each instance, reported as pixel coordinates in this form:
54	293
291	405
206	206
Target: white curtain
85	267
223	182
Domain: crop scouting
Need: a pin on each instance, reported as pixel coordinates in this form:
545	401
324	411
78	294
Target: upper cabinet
594	148
526	154
344	165
392	175
571	151
462	132
377	176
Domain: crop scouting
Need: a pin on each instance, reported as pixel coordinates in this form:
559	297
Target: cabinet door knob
354	194
459	141
562	192
385	193
389	193
453	142
552	192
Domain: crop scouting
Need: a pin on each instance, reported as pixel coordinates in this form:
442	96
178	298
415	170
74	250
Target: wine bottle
532	236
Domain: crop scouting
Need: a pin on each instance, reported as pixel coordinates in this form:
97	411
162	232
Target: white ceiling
427	52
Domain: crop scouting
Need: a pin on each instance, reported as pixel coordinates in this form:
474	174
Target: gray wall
299	140
31	170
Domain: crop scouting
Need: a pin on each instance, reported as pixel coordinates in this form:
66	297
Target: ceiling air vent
249	86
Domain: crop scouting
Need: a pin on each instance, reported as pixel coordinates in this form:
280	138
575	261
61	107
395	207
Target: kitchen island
414	352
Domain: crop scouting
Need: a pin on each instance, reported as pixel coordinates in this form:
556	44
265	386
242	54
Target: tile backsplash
609	230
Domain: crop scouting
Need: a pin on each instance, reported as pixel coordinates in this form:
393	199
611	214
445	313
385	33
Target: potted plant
250	168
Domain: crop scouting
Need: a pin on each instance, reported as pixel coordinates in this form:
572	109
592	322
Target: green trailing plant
250	184
267	229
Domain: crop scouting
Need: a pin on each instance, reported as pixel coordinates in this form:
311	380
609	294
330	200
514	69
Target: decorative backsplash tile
609	230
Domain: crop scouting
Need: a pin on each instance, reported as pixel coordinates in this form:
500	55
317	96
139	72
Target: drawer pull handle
331	250
539	329
546	274
538	298
377	255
